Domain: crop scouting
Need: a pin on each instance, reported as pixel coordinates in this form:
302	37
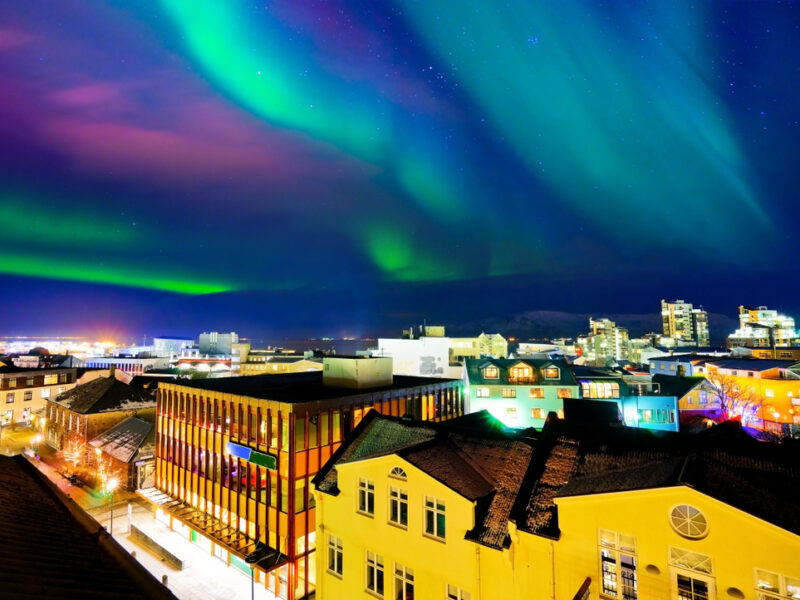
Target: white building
423	357
218	343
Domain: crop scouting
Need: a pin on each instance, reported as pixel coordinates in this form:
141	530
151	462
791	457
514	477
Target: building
135	365
170	346
127	452
217	343
415	510
695	397
682	365
24	392
684	323
262	364
51	549
760	327
84	412
421	357
519	392
606	344
234	456
47	361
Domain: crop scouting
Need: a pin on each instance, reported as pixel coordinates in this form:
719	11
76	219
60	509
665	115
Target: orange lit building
234	457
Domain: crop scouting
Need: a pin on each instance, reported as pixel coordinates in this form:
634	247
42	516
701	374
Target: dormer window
491	373
552	373
521	374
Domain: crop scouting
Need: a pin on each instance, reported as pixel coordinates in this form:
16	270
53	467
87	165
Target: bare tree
734	401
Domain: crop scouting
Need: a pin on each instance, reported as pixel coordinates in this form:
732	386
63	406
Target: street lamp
111	485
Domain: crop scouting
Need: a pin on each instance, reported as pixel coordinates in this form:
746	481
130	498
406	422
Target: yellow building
462	511
273	365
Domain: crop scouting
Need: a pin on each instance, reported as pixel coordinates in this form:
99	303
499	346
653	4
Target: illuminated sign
257	458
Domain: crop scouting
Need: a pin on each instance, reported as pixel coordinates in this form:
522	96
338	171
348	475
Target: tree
734	401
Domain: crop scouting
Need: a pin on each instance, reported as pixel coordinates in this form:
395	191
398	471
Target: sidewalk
204	577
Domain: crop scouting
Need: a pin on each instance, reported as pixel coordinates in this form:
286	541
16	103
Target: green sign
257	458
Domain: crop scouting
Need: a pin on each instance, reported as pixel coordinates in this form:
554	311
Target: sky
341	168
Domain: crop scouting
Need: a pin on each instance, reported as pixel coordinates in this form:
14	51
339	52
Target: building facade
24	393
234	456
129	364
760	327
217	343
606	343
684	323
583	513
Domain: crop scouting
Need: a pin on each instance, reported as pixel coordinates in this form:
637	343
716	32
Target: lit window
482	392
335	555
511	413
398	506
403	582
538	413
366	496
27	397
491	373
45	393
9	398
12	382
769	393
618	565
693	561
537	392
434	517
509	393
374	574
560	413
520	372
552	373
773	586
29	382
564	393
456	593
50	379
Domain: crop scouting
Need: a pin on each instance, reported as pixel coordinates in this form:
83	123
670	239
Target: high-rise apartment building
760	327
217	343
684	323
605	343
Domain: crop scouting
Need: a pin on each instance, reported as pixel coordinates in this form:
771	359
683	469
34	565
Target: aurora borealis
396	157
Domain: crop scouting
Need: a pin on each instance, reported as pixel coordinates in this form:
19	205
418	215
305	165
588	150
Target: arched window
398	473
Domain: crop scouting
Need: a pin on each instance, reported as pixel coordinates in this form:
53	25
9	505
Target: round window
688	521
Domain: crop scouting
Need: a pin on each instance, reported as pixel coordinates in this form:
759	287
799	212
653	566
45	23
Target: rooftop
297	387
105	394
475	371
753	364
38	523
124	440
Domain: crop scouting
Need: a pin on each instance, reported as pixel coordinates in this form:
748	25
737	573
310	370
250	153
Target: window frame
335	551
399	496
437	508
373	562
366	491
613	553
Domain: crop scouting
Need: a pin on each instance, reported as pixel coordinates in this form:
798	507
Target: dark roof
753	364
671	385
297	387
475	368
762	479
49	548
34	370
475	456
124	440
699	358
105	394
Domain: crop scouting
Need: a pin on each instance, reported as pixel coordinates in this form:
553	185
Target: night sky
346	167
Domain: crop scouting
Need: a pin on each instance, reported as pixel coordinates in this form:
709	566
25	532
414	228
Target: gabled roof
124	440
49	548
671	385
105	394
473	455
475	367
762	479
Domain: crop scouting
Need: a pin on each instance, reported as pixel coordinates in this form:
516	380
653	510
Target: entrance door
692	586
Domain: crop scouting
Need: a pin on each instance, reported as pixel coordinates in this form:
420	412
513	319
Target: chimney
111	370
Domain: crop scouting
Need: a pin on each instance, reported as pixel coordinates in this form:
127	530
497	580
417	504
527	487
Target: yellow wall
435	563
737	542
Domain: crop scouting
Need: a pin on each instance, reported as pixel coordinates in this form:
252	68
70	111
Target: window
769	393
538	413
560	413
50	379
374	573
12	382
403	583
521	373
509	393
29	382
694	561
45	393
537	392
335	555
690	588
772	586
482	392
702	397
9	398
618	565
456	593
398	506
62	378
564	393
511	413
61	390
434	517
491	373
688	522
366	496
7	416
599	389
27	397
552	373
398	473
